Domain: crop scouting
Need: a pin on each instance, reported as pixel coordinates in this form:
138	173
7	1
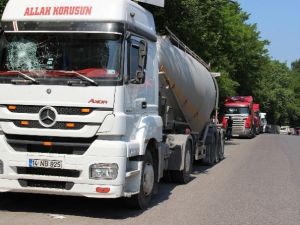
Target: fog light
1	167
104	171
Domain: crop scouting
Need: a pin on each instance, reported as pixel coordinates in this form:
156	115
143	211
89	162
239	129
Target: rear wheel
216	149
210	153
221	141
148	182
252	133
184	176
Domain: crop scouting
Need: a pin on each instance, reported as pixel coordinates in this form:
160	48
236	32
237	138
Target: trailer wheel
210	153
148	182
216	148
184	176
221	143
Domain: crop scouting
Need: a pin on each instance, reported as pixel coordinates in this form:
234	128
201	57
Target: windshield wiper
25	76
81	76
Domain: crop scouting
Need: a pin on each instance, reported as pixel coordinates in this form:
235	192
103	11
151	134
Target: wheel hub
148	179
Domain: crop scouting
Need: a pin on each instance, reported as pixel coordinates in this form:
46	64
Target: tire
252	133
184	176
216	149
257	131
147	186
221	142
210	154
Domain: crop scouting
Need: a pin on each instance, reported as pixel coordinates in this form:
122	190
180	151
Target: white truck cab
81	106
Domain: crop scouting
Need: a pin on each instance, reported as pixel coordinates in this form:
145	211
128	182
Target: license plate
45	163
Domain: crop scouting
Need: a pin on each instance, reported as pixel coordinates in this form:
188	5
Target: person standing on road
229	128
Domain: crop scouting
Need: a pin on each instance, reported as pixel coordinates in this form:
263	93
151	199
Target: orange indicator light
47	143
70	125
24	123
85	110
12	107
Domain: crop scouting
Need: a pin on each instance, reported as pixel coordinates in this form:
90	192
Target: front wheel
148	182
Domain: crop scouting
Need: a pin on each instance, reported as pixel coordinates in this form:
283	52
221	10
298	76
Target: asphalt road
257	183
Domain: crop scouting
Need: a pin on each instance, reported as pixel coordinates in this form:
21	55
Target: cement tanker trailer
191	83
188	100
93	103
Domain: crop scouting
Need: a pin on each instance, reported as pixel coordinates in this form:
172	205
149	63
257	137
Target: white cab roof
80	10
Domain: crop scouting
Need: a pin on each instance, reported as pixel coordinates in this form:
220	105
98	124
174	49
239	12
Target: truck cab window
137	54
133	61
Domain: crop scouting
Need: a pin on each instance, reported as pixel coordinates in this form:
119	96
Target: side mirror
140	73
137	74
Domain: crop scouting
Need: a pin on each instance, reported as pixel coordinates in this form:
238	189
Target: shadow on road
199	168
70	206
85	207
231	142
78	206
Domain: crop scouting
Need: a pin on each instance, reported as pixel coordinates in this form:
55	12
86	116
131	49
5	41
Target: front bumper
100	151
241	132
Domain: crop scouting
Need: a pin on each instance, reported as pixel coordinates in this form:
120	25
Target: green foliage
218	31
295	74
2	5
275	93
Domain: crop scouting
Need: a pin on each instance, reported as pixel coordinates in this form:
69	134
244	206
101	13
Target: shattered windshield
60	56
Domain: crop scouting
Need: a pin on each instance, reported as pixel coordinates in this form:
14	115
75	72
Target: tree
275	93
295	74
2	5
217	31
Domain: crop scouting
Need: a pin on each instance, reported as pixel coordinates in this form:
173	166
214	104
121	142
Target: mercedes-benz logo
47	116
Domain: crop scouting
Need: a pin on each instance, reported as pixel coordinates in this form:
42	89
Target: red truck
240	108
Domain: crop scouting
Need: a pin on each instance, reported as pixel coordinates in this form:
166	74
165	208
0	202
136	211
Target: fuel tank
190	82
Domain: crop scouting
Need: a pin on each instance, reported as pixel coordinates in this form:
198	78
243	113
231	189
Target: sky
278	21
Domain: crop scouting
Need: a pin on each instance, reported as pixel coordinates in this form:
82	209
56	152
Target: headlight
1	167
104	171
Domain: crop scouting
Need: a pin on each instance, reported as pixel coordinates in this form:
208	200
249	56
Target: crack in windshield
90	57
25	55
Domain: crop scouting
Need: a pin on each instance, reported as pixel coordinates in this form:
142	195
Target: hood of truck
77	111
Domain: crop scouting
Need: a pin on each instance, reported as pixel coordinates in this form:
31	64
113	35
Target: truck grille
238	122
69	146
60	110
46	184
48	172
238	126
57	125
